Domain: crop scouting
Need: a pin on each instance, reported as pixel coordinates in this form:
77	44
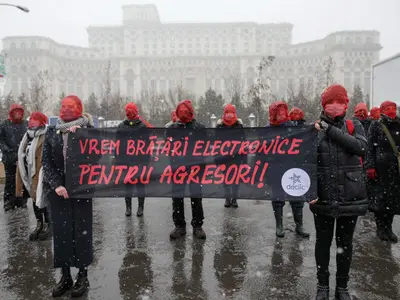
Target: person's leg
128	206
278	213
235	189
39	222
140	209
83	233
345	227
380	221
389	228
46	231
197	217
10	170
297	208
324	226
178	216
64	284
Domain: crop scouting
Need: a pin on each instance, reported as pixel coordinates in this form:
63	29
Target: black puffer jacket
192	125
341	181
299	122
380	156
10	137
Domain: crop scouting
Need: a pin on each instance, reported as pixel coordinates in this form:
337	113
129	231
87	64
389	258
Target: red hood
334	93
276	115
37	119
361	111
185	111
375	113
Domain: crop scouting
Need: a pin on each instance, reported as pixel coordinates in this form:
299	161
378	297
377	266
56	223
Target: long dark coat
341	181
385	191
72	218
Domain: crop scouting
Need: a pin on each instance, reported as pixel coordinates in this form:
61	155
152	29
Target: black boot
389	229
64	284
278	211
227	202
342	294
45	233
234	203
35	233
128	204
298	219
199	233
140	208
381	232
177	232
81	284
9	204
322	292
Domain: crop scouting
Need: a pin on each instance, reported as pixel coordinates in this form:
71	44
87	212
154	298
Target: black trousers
10	170
41	214
324	226
295	204
178	213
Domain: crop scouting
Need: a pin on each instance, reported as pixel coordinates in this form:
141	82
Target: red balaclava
296	114
361	111
16	114
278	113
37	119
229	117
71	108
131	111
174	118
185	111
335	101
389	109
375	113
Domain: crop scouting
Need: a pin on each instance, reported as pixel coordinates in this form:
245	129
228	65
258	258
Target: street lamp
101	122
213	121
252	119
23	8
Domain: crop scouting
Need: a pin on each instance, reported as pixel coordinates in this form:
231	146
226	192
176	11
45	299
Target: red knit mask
389	109
361	111
37	119
71	108
375	113
16	113
131	111
278	113
185	111
229	117
296	114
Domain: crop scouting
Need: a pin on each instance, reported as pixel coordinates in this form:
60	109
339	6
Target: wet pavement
241	258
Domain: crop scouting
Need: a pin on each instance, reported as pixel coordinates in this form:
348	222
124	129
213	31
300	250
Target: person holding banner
383	170
342	195
185	115
72	219
29	165
134	122
297	116
230	120
279	116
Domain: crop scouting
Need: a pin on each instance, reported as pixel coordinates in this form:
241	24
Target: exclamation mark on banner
261	184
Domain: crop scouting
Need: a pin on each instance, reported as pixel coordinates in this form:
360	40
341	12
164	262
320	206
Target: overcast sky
65	21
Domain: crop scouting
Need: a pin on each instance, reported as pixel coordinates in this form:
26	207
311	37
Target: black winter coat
365	123
238	124
299	122
341	181
385	196
10	137
129	124
192	125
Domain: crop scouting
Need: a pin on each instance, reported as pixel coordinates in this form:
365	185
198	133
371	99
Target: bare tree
257	90
234	86
325	75
106	93
155	107
6	103
40	92
176	95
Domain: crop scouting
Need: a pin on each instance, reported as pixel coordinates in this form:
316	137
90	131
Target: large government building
143	53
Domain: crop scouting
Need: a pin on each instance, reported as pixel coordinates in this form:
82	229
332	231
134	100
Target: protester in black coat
341	190
279	116
133	122
230	120
383	171
185	114
11	133
361	114
72	219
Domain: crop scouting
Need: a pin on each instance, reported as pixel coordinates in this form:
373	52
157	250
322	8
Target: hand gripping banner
277	163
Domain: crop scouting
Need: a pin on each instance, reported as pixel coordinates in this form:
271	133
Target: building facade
143	53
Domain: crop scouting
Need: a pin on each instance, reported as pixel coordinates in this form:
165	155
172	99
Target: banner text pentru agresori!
251	163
